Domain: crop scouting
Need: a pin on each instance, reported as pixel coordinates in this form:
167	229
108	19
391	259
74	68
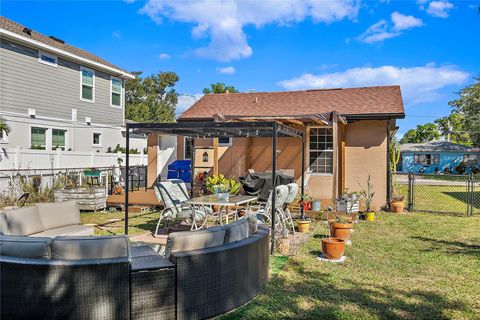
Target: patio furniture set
49	270
178	206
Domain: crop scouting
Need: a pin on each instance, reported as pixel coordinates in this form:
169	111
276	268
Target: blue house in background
437	157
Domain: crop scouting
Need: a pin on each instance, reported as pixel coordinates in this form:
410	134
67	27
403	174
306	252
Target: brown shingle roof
17	28
353	101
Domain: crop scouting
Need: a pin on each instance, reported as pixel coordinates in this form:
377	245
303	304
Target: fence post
410	191
470	194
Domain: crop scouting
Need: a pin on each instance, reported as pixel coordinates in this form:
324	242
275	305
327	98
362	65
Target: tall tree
151	99
452	127
468	104
219	87
423	133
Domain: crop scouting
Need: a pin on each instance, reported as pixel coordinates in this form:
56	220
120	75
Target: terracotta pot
303	225
370	216
333	248
397	206
342	230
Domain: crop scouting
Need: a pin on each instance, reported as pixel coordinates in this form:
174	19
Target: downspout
388	166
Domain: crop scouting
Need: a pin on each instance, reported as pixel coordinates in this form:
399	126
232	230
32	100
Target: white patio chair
307	175
292	193
265	213
173	195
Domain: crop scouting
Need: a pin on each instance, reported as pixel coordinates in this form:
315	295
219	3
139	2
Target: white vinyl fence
17	158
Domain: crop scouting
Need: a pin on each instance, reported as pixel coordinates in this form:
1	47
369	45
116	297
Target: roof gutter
60	52
374	116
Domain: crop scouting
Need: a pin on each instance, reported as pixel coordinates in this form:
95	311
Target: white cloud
378	32
186	101
439	8
164	56
402	22
226	70
117	34
418	84
223	21
383	30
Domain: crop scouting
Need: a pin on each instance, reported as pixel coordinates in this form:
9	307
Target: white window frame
100	139
308	152
42	53
111	92
47	137
229	144
471	157
82	68
65	147
434	159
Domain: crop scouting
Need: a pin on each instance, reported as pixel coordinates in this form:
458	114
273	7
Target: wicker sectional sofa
203	274
44	220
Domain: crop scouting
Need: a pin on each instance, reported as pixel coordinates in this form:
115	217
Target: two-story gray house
54	95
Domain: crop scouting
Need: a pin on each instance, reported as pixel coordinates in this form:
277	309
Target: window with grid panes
321	150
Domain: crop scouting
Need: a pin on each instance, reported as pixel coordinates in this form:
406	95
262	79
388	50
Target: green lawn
412	266
138	222
416	266
450	199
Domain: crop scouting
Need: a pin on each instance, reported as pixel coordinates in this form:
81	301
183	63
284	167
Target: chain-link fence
458	194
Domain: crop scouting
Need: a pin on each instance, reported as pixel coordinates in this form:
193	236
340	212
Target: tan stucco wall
366	153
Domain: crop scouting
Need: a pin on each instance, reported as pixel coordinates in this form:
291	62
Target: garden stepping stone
322	258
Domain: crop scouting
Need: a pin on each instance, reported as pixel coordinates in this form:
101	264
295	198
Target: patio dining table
213	200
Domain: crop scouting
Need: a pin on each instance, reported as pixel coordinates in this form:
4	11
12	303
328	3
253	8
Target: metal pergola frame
197	130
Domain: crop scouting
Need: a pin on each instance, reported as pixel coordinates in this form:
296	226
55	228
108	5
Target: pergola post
127	173
192	168
274	182
215	156
302	211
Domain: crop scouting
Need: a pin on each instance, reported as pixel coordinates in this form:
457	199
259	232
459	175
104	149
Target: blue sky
430	48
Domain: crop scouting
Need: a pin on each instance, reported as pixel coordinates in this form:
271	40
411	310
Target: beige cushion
59	214
25	247
73	230
194	240
252	223
3	223
237	230
23	221
77	248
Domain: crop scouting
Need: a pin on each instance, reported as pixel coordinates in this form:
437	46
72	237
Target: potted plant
222	187
342	228
333	248
306	203
396	204
304	225
367	194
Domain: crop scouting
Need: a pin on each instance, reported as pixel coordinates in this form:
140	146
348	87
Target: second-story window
88	84
116	99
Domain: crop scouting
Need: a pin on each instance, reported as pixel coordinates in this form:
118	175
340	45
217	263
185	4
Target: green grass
449	199
415	266
138	222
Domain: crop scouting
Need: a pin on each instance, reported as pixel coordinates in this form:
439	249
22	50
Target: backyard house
347	136
57	96
438	157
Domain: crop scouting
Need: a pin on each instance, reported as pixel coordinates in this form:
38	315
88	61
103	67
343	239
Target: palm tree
4	126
